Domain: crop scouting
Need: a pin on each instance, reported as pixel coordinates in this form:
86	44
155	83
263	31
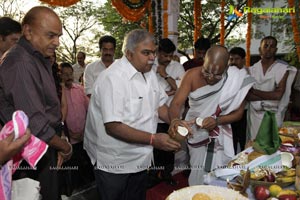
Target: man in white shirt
120	131
272	89
107	45
169	74
237	58
78	68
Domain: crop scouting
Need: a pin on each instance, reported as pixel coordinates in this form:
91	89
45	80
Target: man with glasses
216	97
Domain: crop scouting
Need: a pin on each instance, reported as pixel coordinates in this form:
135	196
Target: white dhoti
268	82
215	100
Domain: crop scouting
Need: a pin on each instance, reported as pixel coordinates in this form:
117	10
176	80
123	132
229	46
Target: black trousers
131	186
239	132
163	159
78	171
46	173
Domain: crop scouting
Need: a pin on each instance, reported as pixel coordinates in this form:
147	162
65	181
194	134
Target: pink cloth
77	103
32	152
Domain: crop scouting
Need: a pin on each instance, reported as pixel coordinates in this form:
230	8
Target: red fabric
162	190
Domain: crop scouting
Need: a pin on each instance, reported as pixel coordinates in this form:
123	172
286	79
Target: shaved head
218	54
215	63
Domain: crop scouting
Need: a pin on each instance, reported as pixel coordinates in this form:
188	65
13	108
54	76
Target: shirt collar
128	68
31	50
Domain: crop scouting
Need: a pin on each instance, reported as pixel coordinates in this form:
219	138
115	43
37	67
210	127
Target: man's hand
164	142
64	155
209	123
10	147
161	70
177	122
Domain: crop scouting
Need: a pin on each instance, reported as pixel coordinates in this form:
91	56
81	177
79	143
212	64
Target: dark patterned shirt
26	83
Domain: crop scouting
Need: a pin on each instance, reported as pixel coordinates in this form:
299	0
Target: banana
287	173
290	172
256	176
287	192
286	179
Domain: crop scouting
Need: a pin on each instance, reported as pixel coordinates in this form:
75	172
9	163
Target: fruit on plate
287	197
287	192
288	172
201	196
275	190
261	192
286	179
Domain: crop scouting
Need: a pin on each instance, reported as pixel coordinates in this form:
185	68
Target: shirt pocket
136	108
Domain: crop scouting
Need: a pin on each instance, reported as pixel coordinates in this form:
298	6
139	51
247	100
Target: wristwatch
166	77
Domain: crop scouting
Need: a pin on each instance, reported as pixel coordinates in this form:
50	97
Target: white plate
214	192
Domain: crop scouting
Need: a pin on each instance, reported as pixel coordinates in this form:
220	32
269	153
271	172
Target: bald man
216	94
26	83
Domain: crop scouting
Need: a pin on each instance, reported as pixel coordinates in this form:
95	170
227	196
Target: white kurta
268	82
215	100
176	71
90	75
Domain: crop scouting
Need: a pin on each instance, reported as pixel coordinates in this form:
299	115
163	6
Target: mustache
150	62
107	54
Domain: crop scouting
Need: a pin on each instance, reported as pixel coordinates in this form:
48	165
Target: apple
261	192
287	197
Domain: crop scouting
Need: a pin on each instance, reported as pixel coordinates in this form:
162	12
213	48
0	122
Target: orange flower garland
128	13
197	19
64	3
165	19
150	19
222	21
248	35
295	28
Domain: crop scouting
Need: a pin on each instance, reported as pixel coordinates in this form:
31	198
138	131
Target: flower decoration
248	35
63	3
132	10
197	19
165	19
222	21
295	27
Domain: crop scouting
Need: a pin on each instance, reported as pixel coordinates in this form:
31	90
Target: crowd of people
114	119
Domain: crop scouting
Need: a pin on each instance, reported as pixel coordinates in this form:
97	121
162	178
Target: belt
199	144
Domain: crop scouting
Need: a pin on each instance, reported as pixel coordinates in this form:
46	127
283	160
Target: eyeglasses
211	75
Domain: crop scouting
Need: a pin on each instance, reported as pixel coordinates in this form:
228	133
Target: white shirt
175	70
90	75
77	72
121	94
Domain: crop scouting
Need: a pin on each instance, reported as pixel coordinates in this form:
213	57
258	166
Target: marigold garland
295	28
150	18
222	21
64	3
128	13
197	19
154	17
165	19
248	35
